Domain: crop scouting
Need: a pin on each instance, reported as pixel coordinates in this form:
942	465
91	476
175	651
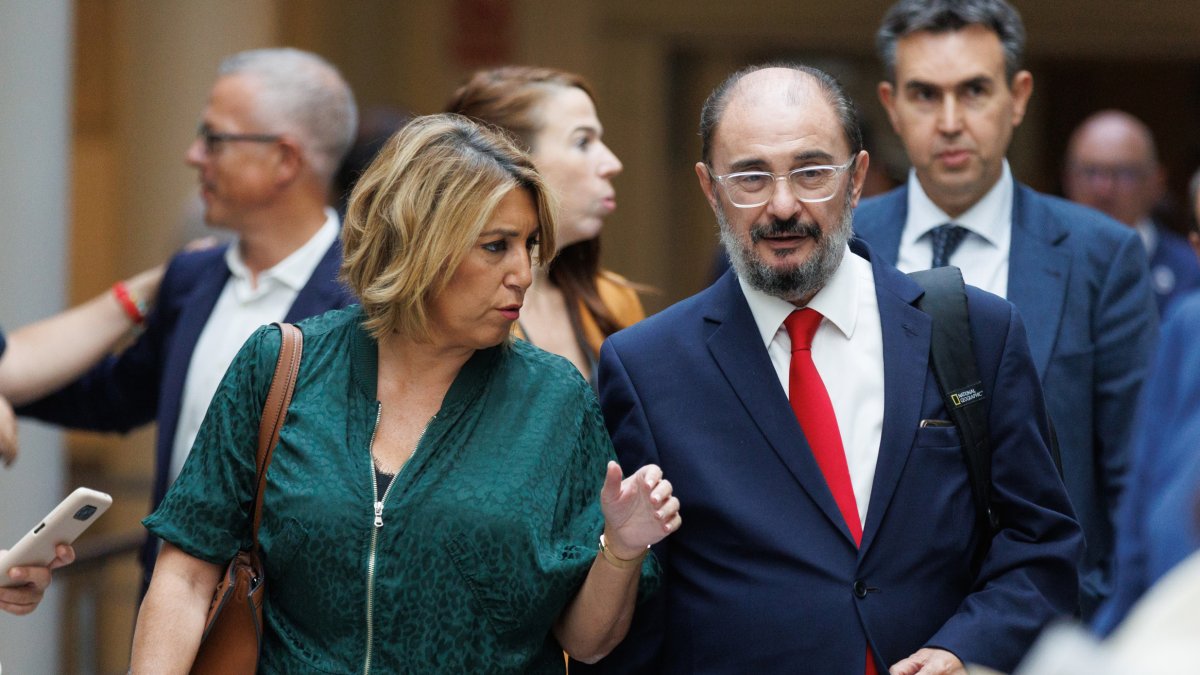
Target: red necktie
814	411
810	401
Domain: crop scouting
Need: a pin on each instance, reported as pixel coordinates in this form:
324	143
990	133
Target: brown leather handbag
233	631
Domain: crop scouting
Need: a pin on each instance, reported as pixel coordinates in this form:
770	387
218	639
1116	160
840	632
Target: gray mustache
789	227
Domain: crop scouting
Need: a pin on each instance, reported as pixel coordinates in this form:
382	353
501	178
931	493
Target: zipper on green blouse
378	504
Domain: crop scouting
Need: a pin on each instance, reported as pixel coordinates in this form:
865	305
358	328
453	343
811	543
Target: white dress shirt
240	310
983	254
847	350
1162	277
1148	231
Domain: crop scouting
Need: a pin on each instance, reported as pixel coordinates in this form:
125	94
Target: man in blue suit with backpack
833	525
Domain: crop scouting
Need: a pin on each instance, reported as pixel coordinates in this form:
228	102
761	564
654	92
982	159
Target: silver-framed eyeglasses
213	139
810	184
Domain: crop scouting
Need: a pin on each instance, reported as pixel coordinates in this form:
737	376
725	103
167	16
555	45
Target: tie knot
801	326
945	240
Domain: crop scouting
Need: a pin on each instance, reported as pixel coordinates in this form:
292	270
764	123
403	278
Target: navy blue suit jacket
764	576
1080	281
1174	270
145	382
1159	523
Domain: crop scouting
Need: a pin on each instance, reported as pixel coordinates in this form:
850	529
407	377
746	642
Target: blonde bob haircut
419	208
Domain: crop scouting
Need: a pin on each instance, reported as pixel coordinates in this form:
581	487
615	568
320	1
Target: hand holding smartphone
61	526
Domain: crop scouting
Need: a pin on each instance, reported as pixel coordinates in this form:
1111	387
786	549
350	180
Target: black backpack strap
953	357
1055	453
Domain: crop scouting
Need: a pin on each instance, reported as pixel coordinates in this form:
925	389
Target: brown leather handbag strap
283	382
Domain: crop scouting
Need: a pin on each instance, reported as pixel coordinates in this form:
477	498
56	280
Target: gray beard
801	281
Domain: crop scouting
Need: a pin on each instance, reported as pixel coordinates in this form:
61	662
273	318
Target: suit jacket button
860	589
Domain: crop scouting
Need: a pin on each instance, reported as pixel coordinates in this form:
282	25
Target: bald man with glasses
276	126
1112	166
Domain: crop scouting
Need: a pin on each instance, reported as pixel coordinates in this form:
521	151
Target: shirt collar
1146	230
990	217
837	301
295	270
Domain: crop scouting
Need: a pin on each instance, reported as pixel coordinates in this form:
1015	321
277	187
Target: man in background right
1112	165
955	91
1193	237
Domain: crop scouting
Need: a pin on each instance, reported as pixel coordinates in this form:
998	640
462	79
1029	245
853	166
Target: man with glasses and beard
277	124
831	523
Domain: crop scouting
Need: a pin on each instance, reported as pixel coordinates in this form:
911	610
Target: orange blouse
620	299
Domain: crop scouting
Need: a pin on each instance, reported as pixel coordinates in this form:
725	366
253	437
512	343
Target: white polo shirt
240	310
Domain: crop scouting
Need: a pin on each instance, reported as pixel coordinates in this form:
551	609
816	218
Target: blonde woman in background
574	303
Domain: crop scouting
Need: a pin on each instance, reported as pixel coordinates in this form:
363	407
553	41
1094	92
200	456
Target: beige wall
35	81
652	63
143	68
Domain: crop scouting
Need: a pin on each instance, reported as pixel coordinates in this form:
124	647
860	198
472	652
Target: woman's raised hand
638	511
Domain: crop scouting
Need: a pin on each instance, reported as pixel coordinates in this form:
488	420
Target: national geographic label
967	395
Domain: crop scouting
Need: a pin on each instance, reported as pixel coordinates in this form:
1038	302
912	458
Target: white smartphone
67	521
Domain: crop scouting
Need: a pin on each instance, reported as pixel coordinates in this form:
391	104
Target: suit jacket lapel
323	291
194	314
1038	270
1038	266
887	229
736	347
906	336
195	308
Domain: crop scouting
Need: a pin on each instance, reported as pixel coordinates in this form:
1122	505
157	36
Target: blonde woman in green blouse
439	492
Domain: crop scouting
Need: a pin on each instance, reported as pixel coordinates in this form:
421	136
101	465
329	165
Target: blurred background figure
375	126
1150	623
277	124
1112	165
1158	522
1194	211
45	355
574	304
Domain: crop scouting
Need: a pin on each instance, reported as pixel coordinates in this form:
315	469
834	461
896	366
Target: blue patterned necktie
946	239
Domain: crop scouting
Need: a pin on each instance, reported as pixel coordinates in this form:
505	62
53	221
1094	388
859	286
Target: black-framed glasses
1120	174
810	184
213	139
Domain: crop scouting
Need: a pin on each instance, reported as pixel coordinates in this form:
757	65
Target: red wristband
131	308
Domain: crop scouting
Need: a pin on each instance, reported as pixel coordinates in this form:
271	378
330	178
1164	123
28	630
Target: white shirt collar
837	301
1149	234
990	217
295	270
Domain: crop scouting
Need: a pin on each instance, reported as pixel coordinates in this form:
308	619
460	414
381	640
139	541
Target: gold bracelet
620	563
